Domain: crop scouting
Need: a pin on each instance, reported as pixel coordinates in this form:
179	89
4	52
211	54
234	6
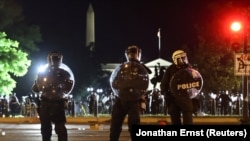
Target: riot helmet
180	57
133	53
55	58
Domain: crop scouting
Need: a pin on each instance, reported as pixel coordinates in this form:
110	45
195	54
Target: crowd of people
11	106
222	103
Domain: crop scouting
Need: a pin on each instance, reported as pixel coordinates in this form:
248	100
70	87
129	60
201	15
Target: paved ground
76	132
89	128
145	119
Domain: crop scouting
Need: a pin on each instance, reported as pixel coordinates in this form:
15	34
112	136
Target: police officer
225	101
180	102
129	81
93	99
155	101
54	84
14	105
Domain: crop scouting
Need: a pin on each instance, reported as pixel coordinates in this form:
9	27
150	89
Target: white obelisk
90	28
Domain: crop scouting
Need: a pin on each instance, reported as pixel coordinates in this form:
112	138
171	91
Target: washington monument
90	28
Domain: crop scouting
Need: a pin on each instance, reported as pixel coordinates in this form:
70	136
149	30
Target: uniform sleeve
165	82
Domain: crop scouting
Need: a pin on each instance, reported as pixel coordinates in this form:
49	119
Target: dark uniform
4	107
93	103
155	101
14	105
225	100
179	101
129	81
54	83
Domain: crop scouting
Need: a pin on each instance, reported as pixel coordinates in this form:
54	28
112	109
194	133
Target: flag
159	33
159	39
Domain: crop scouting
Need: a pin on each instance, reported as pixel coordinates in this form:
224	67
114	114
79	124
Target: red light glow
236	26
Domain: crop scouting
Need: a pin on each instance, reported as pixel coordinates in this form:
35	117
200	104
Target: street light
90	89
236	26
239	28
99	90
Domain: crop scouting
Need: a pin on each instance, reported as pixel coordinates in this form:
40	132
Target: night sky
118	24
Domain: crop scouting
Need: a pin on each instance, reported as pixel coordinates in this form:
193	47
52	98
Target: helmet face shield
132	50
133	53
181	61
55	59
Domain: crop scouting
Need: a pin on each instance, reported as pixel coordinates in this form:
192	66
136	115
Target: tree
14	24
213	55
215	62
13	62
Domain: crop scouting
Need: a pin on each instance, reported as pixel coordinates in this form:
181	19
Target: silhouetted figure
14	105
154	80
111	101
4	107
202	101
93	103
155	101
158	75
147	98
225	99
27	107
